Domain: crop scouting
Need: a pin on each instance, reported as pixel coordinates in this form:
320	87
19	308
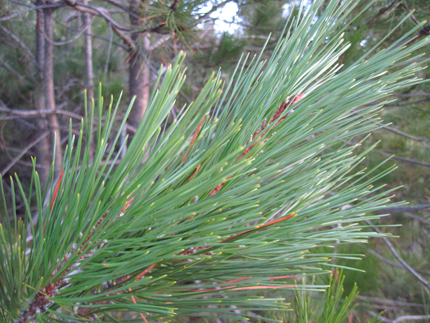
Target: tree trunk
43	148
89	73
48	84
138	70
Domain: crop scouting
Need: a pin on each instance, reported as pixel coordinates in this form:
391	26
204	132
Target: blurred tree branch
405	159
397	256
10	69
388	301
390	7
16	39
38	7
71	40
23	151
403	208
425	141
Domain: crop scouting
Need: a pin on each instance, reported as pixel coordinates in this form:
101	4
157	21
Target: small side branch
425	141
391	263
71	40
21	44
411	318
18	114
22	153
388	302
46	6
97	11
405	159
400	259
403	209
10	69
390	7
411	95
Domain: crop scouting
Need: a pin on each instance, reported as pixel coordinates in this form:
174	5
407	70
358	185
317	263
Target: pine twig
405	159
22	153
390	7
391	263
403	208
388	302
45	6
21	44
400	259
416	217
10	69
425	141
411	318
71	40
410	95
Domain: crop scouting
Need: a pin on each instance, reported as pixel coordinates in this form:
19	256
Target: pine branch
279	116
188	241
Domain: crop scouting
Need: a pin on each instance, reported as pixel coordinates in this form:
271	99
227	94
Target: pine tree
236	197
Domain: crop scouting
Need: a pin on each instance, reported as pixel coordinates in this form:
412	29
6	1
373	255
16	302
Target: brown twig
174	5
10	69
391	263
410	95
400	259
98	11
391	7
403	209
21	44
405	159
411	318
404	134
92	35
23	151
13	114
120	5
388	301
406	103
71	40
416	217
45	6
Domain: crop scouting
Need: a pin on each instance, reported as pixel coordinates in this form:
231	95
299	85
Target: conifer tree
236	197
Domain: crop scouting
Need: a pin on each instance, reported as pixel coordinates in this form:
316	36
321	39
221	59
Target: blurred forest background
51	50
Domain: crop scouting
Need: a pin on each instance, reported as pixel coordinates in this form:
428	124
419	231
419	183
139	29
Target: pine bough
201	217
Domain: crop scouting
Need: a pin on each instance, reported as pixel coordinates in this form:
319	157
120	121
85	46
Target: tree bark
48	84
138	70
89	73
43	148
